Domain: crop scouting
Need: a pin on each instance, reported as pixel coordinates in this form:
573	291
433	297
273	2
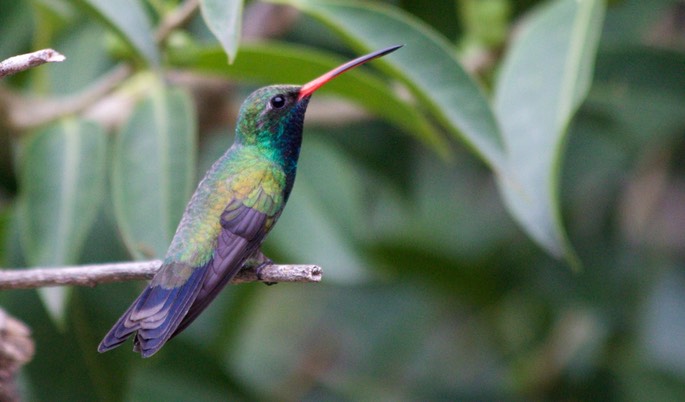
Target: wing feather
179	292
240	237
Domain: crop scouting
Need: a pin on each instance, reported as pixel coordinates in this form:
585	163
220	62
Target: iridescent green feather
258	171
241	175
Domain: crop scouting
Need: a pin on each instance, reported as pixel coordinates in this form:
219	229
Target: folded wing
179	293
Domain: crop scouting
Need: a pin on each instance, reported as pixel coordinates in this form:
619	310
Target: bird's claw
259	261
260	268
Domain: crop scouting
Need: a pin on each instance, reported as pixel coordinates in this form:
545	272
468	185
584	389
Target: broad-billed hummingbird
233	209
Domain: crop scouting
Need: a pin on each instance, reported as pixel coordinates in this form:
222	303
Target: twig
23	62
175	19
26	113
91	275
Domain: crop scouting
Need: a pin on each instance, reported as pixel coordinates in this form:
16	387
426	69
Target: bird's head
272	117
270	113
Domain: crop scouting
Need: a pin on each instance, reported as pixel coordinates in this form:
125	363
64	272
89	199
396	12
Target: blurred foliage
432	291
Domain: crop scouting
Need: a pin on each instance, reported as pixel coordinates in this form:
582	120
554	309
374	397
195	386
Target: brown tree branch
25	113
92	275
23	62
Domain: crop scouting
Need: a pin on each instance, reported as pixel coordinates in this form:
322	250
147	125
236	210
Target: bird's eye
277	101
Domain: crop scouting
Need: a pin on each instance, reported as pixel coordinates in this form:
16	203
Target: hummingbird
234	207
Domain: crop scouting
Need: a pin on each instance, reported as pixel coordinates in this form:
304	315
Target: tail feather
153	311
121	331
205	297
154	303
232	251
154	315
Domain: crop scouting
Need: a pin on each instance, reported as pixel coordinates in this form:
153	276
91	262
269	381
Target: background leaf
544	78
130	20
427	64
62	181
650	104
435	292
224	20
297	64
14	16
153	170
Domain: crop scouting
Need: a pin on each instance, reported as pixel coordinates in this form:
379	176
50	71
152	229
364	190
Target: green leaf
153	170
84	46
427	64
224	20
187	372
282	63
129	19
16	23
651	107
62	176
544	78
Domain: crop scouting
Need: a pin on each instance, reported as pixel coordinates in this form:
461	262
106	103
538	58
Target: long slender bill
309	88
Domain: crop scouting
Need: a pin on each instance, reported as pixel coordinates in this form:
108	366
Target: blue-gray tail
154	316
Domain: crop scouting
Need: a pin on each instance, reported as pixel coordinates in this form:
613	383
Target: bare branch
26	113
176	18
23	62
92	275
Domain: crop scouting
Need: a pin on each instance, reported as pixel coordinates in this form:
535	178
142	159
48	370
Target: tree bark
23	62
92	275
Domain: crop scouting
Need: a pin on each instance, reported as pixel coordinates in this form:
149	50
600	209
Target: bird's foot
259	270
259	261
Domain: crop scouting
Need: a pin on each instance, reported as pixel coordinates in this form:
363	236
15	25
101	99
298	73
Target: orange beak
309	88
